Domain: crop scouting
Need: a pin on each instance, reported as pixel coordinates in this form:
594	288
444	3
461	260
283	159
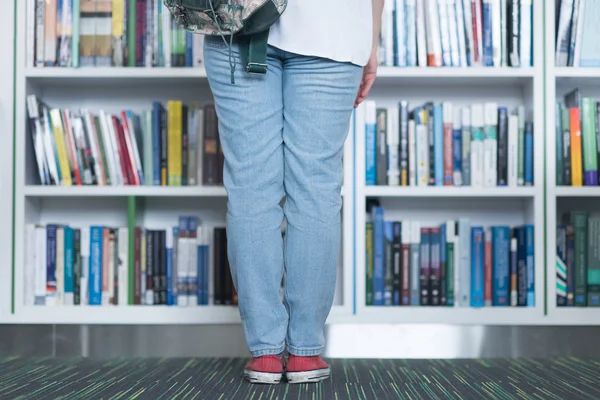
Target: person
282	135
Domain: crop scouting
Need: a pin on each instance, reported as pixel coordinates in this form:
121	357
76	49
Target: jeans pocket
215	41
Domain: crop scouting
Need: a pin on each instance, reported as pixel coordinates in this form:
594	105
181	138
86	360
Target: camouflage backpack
248	20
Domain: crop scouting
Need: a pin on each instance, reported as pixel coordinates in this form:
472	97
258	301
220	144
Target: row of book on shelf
455	264
577	140
578	260
457	33
443	144
576	32
108	33
181	265
176	145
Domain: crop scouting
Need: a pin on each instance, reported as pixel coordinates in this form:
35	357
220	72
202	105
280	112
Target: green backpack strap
253	52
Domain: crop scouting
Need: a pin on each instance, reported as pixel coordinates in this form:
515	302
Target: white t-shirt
340	30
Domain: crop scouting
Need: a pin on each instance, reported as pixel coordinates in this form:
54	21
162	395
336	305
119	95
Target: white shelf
449	191
576	72
140	76
578	191
123	191
455	315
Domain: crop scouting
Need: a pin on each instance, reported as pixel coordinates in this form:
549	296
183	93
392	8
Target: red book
448	116
477	21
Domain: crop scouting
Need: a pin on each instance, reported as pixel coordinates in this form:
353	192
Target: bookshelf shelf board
454	315
135	315
579	191
122	191
576	72
575	316
487	75
452	191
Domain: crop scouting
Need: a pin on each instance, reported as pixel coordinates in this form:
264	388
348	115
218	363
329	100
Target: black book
502	162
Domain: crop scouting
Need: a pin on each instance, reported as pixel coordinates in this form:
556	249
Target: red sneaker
306	369
266	369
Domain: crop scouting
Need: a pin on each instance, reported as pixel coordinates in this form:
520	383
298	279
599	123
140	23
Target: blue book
500	265
457	152
95	273
388	264
189	49
69	264
530	262
370	144
488	51
477	267
378	256
157	108
438	144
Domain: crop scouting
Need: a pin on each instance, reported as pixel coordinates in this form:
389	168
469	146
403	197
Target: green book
580	222
131	26
588	142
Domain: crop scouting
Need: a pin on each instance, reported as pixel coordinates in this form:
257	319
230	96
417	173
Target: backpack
248	20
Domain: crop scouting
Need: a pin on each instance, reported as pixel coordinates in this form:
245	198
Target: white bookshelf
116	88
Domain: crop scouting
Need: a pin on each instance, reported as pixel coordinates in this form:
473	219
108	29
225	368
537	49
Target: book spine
528	154
390	166
422	43
438	145
450	262
487	266
444	32
530	249
563	34
403	125
561	266
496	28
588	142
415	263
396	257
370	143
457	148
369	264
378	256
580	225
410	8
526	32
443	273
521	268
477	165
435	267
433	35
96	263
381	157
503	156
488	50
490	144
477	267
453	32
388	263
513	270
412	153
593	272
513	150
405	262
425	267
501	265
448	139
514	33
466	146
77	266
464	233
570	233
521	146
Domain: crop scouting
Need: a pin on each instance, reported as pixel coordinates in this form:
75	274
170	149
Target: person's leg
318	99
250	116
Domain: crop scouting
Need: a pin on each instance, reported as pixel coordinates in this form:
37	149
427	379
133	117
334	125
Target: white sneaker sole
262	377
317	375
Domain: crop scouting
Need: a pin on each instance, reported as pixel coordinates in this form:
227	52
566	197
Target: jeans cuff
265	352
305	352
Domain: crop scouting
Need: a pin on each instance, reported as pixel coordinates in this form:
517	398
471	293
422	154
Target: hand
368	77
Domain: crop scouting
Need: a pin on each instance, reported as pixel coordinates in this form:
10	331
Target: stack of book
176	145
578	260
577	140
457	263
457	33
443	144
183	265
108	33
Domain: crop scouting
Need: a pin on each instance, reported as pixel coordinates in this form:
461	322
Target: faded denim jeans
282	135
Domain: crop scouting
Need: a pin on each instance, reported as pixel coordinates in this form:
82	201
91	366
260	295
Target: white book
166	21
445	32
460	28
182	261
477	145
422	152
400	30
393	142
387	33
40	33
513	149
39	285
198	50
193	243
411	32
496	33
412	156
525	27
415	267
561	56
30	24
89	128
453	32
503	33
490	145
123	267
468	27
433	38
421	34
30	262
110	152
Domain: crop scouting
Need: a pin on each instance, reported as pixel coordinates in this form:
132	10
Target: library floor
178	378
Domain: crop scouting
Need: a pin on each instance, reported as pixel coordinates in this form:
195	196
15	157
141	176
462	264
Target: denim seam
264	352
305	352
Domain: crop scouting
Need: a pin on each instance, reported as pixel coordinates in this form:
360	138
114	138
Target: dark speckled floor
177	378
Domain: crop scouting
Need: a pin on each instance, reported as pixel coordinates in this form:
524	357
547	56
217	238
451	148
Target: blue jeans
283	135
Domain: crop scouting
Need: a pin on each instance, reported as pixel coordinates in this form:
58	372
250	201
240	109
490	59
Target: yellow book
61	148
576	158
174	143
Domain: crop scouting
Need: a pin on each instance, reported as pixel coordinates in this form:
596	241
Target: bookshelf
115	88
561	199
